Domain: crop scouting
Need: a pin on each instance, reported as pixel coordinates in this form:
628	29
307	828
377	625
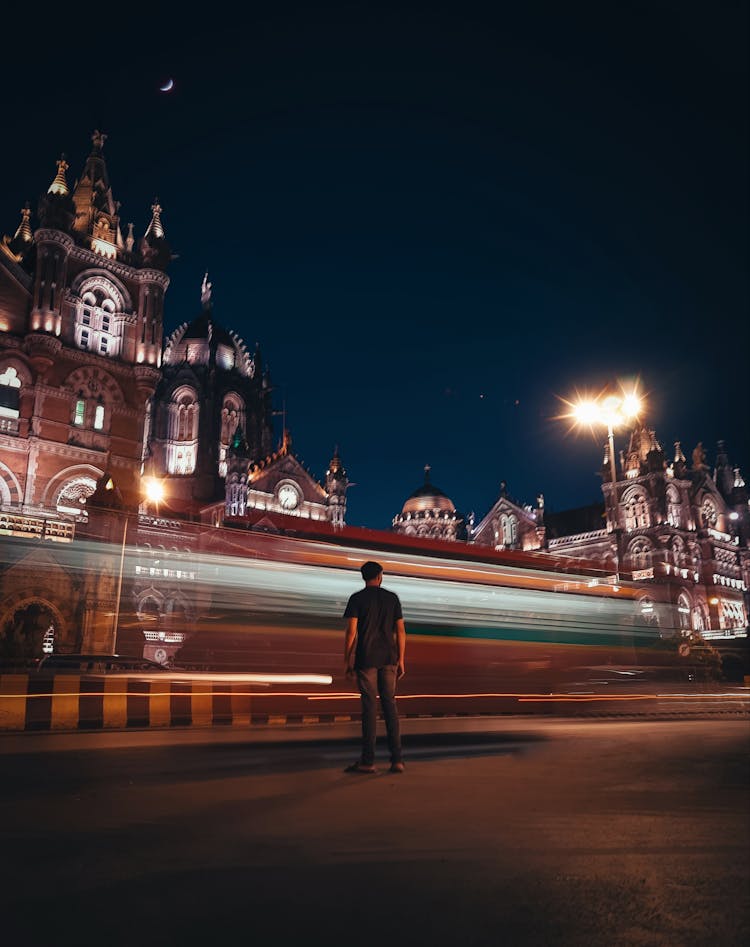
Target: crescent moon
167	87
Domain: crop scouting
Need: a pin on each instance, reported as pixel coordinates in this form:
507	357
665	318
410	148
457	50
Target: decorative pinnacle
155	227
206	291
60	185
24	228
427	470
98	138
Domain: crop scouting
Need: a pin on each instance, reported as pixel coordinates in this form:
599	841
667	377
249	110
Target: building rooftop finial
98	138
206	291
60	185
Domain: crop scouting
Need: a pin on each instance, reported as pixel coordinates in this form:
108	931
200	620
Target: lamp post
154	492
611	411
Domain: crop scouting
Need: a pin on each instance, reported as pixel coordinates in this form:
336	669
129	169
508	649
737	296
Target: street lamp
611	411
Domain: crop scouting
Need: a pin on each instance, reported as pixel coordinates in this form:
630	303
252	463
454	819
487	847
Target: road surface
530	832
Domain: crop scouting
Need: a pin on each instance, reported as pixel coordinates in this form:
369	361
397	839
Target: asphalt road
532	832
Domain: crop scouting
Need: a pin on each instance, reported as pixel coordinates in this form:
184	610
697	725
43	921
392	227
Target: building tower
81	315
337	483
211	389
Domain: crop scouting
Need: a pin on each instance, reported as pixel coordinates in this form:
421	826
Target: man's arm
401	641
350	642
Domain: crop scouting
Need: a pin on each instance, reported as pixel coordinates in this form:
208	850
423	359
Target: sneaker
360	768
397	767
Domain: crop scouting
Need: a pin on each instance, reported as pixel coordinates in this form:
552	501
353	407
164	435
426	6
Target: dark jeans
374	681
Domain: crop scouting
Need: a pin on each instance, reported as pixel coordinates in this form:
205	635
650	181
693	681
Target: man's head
372	573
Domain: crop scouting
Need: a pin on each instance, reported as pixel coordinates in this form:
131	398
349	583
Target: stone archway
30	630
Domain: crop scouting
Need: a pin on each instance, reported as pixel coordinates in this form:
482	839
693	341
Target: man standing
374	650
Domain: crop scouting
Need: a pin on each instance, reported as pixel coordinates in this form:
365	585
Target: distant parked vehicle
96	664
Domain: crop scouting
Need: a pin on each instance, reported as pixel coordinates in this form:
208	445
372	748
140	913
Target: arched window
10	389
708	513
684	611
72	497
182	431
509	527
232	417
95	319
99	417
640	555
636	511
674	510
679	553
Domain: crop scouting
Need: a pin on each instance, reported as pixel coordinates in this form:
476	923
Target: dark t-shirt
377	610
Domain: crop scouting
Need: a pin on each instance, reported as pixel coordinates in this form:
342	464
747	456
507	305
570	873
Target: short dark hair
371	570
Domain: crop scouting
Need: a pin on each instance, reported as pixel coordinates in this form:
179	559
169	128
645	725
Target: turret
337	483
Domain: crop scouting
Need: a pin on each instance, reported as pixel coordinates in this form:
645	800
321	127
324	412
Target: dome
428	513
428	499
202	339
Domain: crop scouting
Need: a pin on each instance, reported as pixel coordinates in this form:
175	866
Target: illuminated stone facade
81	313
685	527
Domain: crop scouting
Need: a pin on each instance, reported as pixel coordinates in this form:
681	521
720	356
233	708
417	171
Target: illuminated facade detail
231	398
10	389
635	510
640	554
511	524
280	483
428	513
694	521
76	324
709	515
71	498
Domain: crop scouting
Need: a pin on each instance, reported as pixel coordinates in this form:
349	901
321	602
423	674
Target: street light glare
631	405
586	412
154	490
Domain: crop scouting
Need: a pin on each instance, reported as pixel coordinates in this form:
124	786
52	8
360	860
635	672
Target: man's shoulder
390	595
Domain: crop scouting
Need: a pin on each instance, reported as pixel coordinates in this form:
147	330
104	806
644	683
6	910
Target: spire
60	185
98	138
155	228
335	465
206	292
97	220
286	442
23	234
427	470
17	246
679	457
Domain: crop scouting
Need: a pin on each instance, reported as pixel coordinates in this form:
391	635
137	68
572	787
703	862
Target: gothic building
91	400
681	526
81	312
86	389
211	392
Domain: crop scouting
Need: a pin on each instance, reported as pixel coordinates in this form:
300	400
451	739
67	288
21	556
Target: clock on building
288	497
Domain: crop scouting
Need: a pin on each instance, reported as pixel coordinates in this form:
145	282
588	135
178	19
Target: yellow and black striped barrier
77	702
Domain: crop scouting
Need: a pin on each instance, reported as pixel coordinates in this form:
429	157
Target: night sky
436	220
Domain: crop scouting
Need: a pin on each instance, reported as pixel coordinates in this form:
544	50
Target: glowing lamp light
611	410
154	490
734	515
586	412
713	601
